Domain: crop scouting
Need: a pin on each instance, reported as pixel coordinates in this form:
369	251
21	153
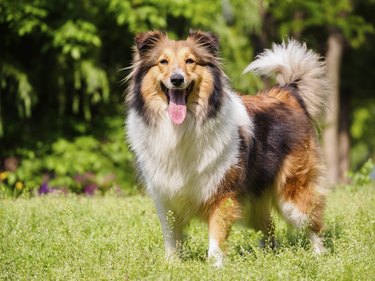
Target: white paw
317	244
216	258
319	249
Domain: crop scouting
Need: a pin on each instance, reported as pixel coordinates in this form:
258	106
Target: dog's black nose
177	79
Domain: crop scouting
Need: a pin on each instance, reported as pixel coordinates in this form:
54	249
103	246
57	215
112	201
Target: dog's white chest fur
183	165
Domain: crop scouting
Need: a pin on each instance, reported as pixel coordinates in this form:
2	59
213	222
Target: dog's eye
163	61
188	61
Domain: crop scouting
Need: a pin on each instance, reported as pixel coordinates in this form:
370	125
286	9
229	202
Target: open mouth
177	100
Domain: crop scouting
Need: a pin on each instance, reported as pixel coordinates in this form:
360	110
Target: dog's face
176	76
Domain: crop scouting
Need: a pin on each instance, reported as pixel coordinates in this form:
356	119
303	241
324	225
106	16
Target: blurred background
62	64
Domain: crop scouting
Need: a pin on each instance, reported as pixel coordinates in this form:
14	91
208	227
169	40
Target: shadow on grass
247	250
298	239
293	239
331	234
289	238
191	253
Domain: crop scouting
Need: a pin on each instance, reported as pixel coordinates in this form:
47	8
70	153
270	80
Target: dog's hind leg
315	224
301	199
309	219
222	215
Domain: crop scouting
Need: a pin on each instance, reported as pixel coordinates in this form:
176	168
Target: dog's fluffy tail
294	64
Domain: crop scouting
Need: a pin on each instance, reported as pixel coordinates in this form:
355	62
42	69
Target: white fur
293	215
317	243
182	166
215	253
172	231
185	163
294	63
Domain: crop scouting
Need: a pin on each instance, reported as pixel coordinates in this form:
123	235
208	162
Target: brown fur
222	215
176	53
301	169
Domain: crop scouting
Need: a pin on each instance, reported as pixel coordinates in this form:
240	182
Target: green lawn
117	238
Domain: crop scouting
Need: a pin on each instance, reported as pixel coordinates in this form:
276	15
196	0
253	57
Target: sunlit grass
117	238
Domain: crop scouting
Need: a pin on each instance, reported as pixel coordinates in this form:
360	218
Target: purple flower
90	189
44	189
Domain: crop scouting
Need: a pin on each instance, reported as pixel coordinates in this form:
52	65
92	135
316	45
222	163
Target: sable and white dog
204	151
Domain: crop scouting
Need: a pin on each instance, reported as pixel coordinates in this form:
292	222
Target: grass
117	238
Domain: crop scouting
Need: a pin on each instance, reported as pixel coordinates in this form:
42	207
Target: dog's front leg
222	216
172	231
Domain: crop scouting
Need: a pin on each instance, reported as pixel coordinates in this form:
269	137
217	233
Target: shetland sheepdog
204	151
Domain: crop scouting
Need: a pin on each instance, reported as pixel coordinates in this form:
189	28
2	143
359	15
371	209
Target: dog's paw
216	258
319	249
317	244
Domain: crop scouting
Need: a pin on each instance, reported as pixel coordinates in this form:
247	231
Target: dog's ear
205	39
147	40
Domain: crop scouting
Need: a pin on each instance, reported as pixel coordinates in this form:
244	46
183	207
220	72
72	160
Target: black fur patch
207	40
293	90
148	40
137	101
278	130
216	98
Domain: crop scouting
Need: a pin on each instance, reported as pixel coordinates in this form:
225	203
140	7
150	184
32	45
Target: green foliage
24	17
363	133
141	16
362	177
71	166
62	58
295	16
233	28
76	38
15	80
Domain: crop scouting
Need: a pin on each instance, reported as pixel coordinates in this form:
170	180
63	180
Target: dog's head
176	76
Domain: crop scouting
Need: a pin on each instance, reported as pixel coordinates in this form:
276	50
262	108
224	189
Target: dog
203	151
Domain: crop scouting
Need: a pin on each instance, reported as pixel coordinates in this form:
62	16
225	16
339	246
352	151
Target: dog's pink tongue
177	106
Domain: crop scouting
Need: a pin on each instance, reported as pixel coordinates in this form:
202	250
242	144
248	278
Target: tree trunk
344	138
297	17
330	136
